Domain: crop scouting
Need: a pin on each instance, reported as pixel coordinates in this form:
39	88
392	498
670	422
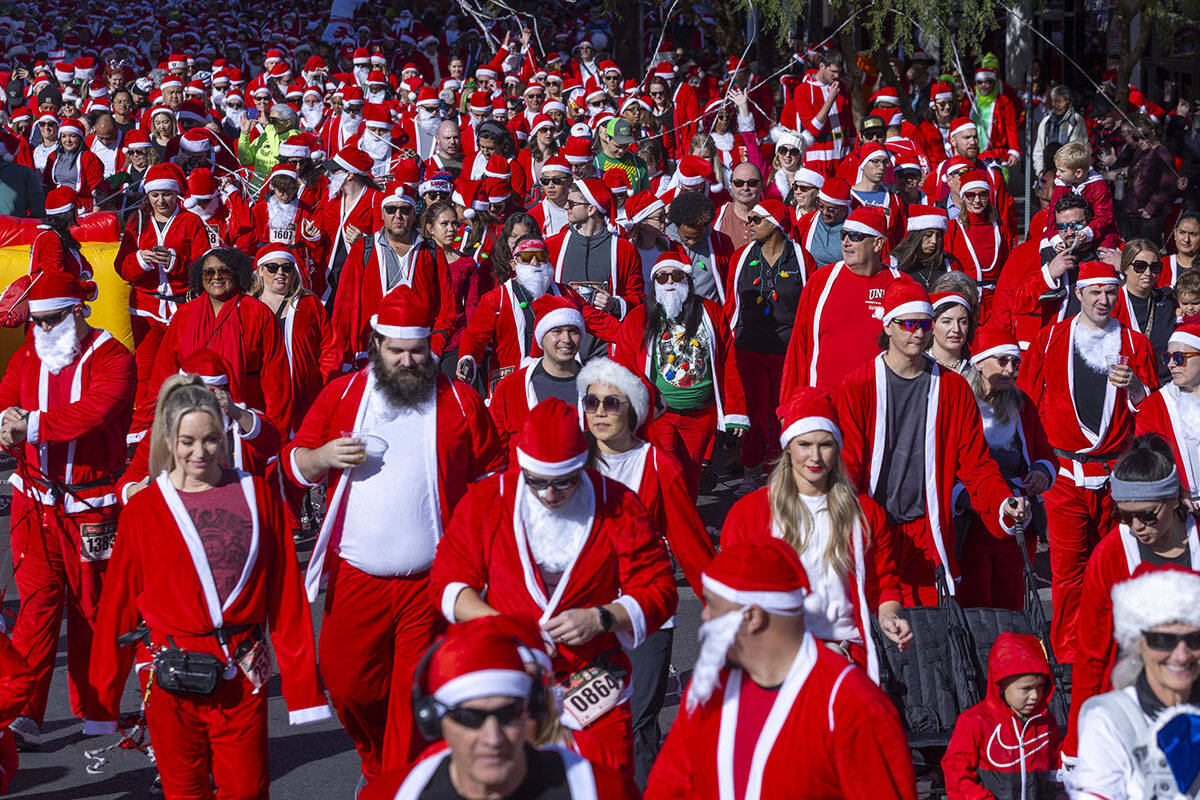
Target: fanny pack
185	672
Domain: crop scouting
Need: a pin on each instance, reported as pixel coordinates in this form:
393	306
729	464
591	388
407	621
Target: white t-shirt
836	622
625	468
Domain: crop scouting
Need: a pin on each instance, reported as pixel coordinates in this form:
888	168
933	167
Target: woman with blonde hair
842	537
201	570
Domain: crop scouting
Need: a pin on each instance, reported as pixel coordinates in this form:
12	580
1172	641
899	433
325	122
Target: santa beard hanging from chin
716	638
556	535
59	346
376	145
671	297
535	278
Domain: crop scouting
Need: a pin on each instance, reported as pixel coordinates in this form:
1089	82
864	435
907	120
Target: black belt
1082	458
170	298
69	488
223	634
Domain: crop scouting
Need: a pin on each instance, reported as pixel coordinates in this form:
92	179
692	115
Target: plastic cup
1118	365
373	446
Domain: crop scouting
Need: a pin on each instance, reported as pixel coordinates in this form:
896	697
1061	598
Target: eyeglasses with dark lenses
1070	226
275	266
975	197
1167	642
474	718
910	325
611	403
1139	267
740	183
434	196
542	484
854	236
1144	517
531	257
790	152
49	320
554	181
1177	358
398	208
873	134
219	272
658	94
753	219
669	276
1004	361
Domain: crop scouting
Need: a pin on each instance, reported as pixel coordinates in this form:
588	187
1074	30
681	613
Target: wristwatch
606	618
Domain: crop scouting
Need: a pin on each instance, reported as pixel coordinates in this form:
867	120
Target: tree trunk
627	49
1131	51
888	77
851	75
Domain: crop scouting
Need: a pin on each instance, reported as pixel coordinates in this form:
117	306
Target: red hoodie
993	752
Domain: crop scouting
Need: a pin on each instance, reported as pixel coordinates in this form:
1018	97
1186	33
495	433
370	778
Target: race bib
256	665
283	235
213	239
590	694
96	541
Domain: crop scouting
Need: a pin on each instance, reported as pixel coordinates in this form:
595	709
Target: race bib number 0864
590	694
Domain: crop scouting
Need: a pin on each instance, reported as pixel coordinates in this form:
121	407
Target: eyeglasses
854	236
432	196
49	320
665	276
1144	517
789	152
531	257
658	94
536	95
276	120
975	197
873	134
398	208
1139	267
1167	642
923	324
751	182
47	124
753	219
554	181
611	403
1177	358
276	266
572	203
540	485
474	718
219	272
1004	361
1070	226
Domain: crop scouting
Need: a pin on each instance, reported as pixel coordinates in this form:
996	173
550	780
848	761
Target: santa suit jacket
1002	133
511	401
546	225
160	573
466	449
1159	413
77	421
229	222
360	293
89	174
49	255
728	394
932	143
151	285
961	244
313	356
938	192
955	450
828	143
721	247
622	560
332	136
830	734
872	579
1007	310
737	263
259	232
625	268
1048	377
1103	226
332	219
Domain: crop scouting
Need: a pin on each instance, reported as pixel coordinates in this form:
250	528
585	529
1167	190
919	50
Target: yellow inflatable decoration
109	311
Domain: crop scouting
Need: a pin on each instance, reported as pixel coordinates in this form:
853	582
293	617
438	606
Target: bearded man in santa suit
220	207
375	139
350	213
835	329
417	441
67	396
396	256
771	713
891	410
1086	375
339	129
560	545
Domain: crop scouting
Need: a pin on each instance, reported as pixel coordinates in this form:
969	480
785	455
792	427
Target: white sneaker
27	733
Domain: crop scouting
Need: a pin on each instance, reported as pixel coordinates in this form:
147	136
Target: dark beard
404	387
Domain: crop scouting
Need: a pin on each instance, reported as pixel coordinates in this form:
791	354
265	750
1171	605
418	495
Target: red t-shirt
754	705
850	325
222	519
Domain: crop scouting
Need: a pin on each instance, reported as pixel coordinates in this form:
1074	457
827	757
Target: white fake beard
360	75
350	123
312	116
716	637
671	297
235	118
557	535
428	121
723	141
534	277
57	347
374	145
206	211
1094	346
335	183
280	214
376	97
218	98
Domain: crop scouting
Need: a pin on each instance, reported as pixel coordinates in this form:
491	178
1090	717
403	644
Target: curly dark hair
688	208
237	261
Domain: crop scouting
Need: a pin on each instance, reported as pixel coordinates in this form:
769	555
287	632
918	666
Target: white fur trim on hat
670	263
1156	598
551	469
808	425
278	255
998	350
48	304
975	184
294	151
809	177
59	209
783	603
966	126
194	146
399	331
605	370
484	683
927	222
912	307
855	226
161	185
1178	337
1103	280
557	318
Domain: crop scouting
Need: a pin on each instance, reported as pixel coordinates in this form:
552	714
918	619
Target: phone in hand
251	113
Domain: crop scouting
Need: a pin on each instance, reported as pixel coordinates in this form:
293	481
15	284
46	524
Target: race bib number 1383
96	540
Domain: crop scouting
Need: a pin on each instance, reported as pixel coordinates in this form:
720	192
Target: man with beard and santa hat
312	109
770	712
422	125
1086	375
505	318
416	440
573	551
67	396
339	129
375	139
219	206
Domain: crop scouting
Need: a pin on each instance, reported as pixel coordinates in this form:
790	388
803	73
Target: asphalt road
309	761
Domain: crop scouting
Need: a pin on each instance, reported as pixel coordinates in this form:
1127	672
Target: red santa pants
609	740
1076	518
374	632
50	570
762	375
918	570
224	735
993	570
689	436
147	336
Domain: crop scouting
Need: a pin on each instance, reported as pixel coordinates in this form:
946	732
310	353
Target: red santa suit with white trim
826	731
1089	422
67	397
551	554
1174	413
394	485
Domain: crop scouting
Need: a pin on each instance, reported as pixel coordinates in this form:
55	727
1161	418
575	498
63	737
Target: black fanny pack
185	672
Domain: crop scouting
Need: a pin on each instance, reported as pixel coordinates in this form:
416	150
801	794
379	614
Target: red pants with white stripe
1076	518
374	632
225	735
50	570
689	436
762	375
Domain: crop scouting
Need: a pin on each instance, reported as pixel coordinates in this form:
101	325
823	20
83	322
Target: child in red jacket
1074	173
1010	734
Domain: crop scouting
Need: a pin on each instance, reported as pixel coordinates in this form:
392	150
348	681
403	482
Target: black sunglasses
50	320
854	236
1167	642
275	266
1139	267
222	272
474	718
1004	361
553	181
1178	358
542	484
751	182
611	403
789	151
1144	517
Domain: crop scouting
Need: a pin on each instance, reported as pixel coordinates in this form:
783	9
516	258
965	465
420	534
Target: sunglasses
432	196
1144	517
474	718
669	276
536	95
572	203
1070	226
531	257
554	181
873	134
540	485
1004	361
658	94
789	151
1167	642
611	403
751	182
275	120
276	266
1178	358
753	219
911	325
399	208
220	272
975	196
1139	267
49	320
854	236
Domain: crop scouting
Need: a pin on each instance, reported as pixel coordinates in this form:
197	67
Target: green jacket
263	152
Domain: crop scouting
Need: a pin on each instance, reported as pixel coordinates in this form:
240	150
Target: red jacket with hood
993	750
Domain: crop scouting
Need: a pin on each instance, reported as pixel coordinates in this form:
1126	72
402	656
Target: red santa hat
54	290
621	378
60	200
694	171
354	161
428	96
808	177
296	146
270	253
540	121
195	141
994	340
776	213
1097	273
403	314
551	443
905	297
70	125
617	181
867	153
961	124
171	82
597	193
808	409
957	164
766	573
866	219
165	177
926	218
886	96
210	367
475	659
361	57
985	73
670	260
135	140
554	311
1186	335
940	91
974	180
201	184
375	115
495	190
835	191
640	206
1154	596
577	150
